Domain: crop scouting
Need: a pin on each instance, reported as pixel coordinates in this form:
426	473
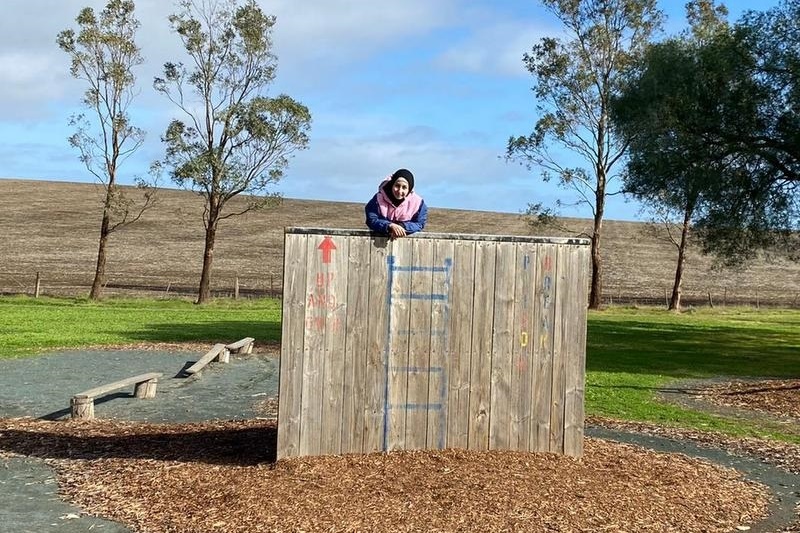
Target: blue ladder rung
422	296
419	269
433	332
417	369
417	406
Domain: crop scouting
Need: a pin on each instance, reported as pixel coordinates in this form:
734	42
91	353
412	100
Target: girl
396	210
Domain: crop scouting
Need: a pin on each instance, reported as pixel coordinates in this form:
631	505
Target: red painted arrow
327	247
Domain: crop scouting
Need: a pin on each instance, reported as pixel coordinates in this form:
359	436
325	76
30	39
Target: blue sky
436	86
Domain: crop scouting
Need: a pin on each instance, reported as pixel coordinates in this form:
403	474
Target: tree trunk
675	300
100	267
596	292
204	294
105	226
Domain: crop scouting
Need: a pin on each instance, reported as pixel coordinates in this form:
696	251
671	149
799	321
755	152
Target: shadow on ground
225	445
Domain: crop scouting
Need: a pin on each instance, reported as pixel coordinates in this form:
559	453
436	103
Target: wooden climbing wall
433	341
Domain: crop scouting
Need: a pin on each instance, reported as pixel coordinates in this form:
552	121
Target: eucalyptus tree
103	53
719	111
757	204
233	139
575	78
656	112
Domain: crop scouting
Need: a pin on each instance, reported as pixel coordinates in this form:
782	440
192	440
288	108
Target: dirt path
771	403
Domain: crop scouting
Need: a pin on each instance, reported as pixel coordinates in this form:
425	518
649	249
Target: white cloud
342	31
448	174
495	48
29	77
313	39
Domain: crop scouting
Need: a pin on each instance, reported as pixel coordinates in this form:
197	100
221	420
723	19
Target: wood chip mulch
222	476
779	397
267	348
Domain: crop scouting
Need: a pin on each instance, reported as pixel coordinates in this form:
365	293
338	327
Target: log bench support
82	404
218	353
243	346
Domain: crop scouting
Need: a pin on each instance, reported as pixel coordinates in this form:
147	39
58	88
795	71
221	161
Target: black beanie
406	175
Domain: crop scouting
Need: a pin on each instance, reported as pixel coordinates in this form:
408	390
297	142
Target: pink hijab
398	213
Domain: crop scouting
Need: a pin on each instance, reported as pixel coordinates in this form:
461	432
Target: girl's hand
396	231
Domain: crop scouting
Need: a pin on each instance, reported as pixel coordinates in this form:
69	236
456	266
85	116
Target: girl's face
400	188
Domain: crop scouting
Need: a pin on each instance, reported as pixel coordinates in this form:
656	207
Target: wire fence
270	286
772	298
66	285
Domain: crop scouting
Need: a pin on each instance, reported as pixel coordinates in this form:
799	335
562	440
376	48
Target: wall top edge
448	236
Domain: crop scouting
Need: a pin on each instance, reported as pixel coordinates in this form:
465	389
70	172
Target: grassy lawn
631	352
32	325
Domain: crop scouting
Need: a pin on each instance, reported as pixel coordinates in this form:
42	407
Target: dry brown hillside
52	228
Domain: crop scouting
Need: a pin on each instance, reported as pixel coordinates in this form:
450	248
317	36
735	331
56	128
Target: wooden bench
82	404
242	346
218	353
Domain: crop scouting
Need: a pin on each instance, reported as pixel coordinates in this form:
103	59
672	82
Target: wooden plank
561	341
443	236
244	345
459	343
82	404
119	384
355	366
502	347
481	351
576	363
419	342
377	340
399	320
333	283
216	352
292	336
440	317
543	348
317	303
522	369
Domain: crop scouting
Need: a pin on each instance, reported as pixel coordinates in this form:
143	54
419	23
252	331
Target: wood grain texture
432	343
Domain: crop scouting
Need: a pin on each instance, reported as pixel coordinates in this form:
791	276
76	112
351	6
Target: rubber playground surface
42	386
244	389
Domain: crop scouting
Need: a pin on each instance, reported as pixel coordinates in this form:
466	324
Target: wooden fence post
37	286
236	288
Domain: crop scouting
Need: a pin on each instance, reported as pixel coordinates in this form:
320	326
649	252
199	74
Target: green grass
31	325
631	353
